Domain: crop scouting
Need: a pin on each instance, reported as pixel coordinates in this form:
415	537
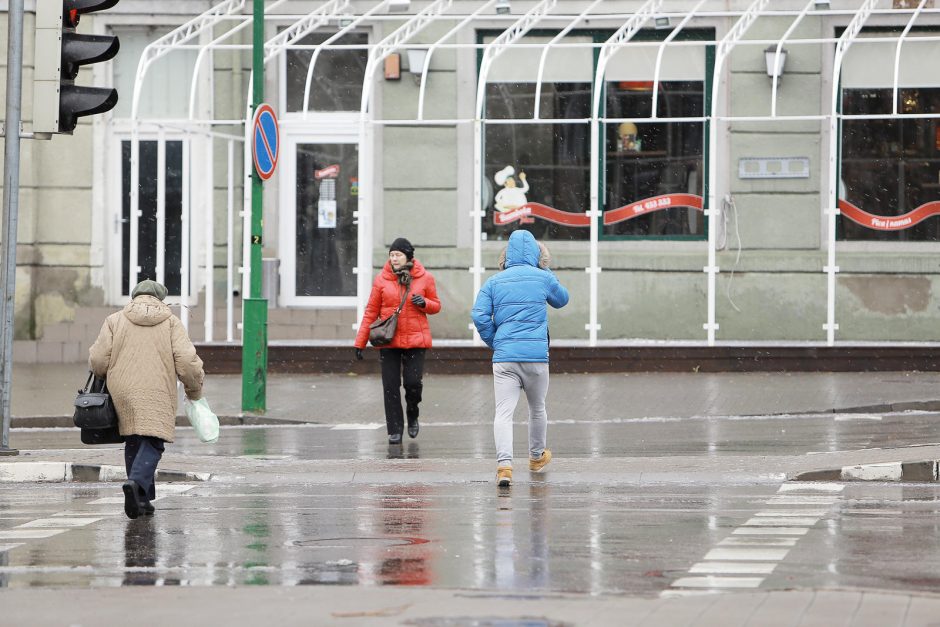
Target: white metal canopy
215	29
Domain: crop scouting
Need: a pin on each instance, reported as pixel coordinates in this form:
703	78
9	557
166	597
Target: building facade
701	171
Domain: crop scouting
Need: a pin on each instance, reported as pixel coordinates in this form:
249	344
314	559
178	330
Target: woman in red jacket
404	356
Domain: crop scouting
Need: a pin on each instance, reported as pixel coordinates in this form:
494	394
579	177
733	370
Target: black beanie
404	246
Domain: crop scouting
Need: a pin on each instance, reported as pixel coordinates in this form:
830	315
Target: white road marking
802	500
367	426
58	522
802	486
770	531
719	582
780	522
758	541
732	568
8	547
848	417
818	513
747	554
29	534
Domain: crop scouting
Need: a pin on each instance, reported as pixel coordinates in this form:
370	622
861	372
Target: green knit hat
148	287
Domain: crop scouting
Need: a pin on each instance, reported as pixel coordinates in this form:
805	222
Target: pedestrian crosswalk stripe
7	547
770	531
733	568
758	521
747	554
58	522
29	534
758	541
719	582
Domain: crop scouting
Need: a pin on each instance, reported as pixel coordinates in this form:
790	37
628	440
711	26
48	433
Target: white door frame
330	128
115	254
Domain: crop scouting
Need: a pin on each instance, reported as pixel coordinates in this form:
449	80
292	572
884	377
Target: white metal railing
515	28
516	31
830	201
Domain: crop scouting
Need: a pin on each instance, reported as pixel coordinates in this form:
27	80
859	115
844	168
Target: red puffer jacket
413	330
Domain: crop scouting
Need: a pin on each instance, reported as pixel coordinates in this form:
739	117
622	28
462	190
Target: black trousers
142	453
398	364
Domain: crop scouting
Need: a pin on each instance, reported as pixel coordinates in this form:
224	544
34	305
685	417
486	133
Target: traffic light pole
11	201
255	308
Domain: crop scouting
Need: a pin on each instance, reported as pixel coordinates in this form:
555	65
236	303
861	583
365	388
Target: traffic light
60	52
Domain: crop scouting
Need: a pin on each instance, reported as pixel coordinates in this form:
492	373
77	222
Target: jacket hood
523	249
416	271
146	311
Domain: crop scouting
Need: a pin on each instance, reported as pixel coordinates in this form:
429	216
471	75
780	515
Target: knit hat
404	246
148	287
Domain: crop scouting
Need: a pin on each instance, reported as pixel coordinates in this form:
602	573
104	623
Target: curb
57	472
913	472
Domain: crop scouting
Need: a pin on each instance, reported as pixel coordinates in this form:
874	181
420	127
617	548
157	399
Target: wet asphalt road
543	535
539	537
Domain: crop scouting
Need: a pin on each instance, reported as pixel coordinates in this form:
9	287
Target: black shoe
147	508
132	502
413	428
394	438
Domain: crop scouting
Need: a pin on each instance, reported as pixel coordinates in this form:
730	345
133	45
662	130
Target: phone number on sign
649	205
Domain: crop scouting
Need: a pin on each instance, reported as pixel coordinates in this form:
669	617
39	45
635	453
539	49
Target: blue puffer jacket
510	312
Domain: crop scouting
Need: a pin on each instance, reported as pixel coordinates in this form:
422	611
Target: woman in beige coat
143	350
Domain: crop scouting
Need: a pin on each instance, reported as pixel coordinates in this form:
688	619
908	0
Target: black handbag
95	414
382	331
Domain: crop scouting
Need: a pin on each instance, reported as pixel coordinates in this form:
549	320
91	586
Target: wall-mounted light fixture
398	6
775	63
503	7
822	5
417	57
661	21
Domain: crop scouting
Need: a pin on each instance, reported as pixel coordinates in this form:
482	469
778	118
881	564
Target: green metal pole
255	308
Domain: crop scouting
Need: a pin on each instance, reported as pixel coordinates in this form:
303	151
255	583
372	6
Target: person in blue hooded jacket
511	315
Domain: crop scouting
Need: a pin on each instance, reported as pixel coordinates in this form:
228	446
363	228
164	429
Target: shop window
336	84
654	170
537	170
890	187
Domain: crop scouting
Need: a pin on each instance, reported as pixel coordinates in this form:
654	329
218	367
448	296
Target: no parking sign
265	141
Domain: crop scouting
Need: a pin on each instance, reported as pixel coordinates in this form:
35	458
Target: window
336	84
543	163
537	174
890	167
656	164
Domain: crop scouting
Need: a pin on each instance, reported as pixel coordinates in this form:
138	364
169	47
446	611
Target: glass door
160	221
320	225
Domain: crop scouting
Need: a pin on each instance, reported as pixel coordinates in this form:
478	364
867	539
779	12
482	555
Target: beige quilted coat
142	350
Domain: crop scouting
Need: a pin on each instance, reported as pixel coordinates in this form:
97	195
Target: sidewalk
49	390
430	607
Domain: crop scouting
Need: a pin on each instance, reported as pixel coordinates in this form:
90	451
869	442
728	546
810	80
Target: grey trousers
509	378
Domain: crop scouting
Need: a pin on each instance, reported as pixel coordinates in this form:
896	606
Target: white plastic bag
203	420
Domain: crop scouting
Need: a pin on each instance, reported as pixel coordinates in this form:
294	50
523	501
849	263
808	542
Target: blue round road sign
265	141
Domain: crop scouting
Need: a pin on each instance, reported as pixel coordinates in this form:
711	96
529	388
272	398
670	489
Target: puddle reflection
140	553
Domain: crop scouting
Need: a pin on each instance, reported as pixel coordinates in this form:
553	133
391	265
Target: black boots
412	414
133	504
394	438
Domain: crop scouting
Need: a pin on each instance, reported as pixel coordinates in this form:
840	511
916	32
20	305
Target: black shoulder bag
95	414
382	332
